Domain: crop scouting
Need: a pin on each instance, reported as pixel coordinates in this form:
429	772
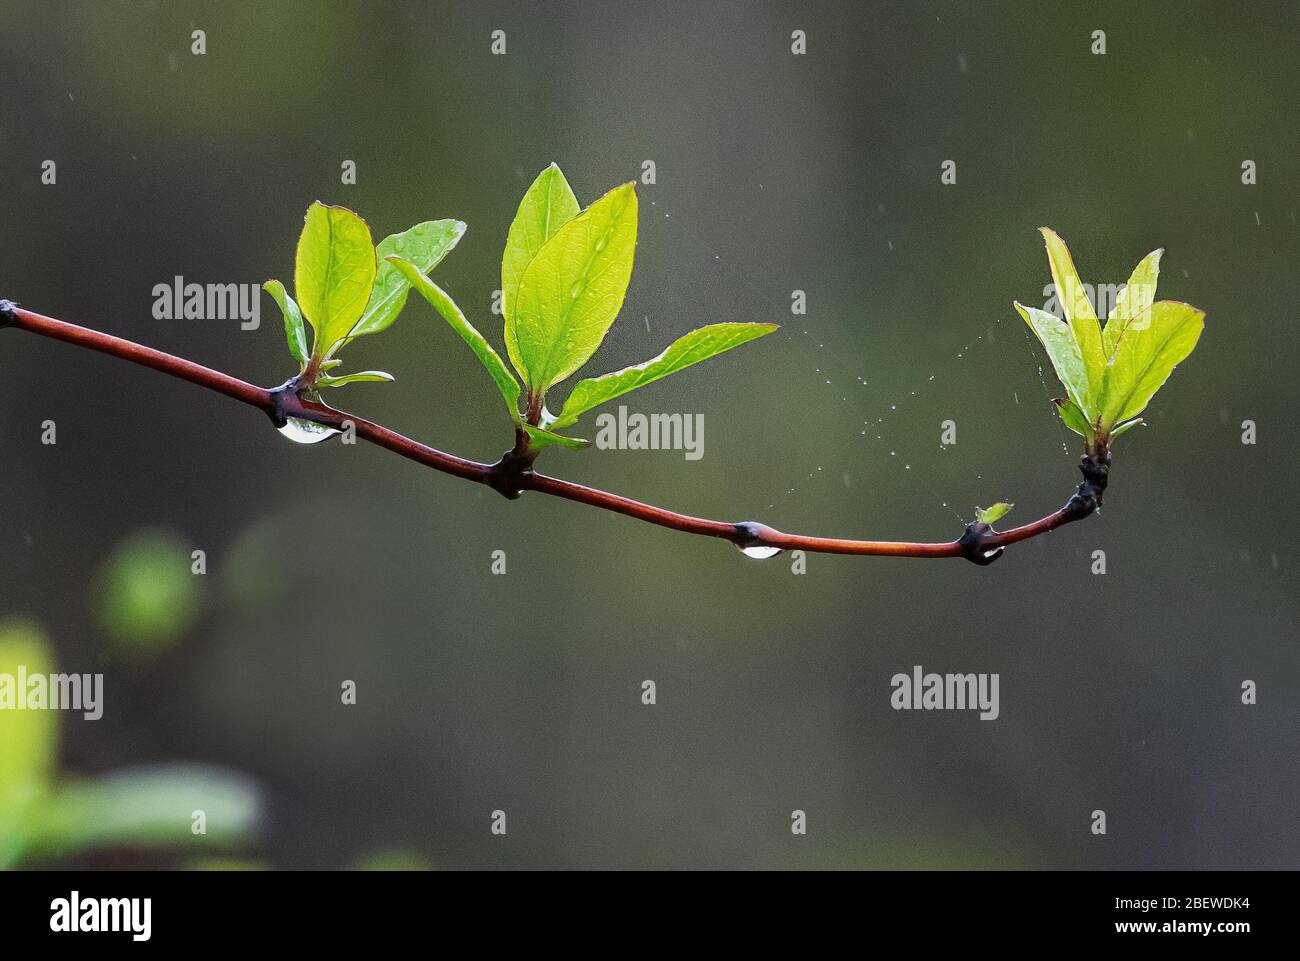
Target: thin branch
513	474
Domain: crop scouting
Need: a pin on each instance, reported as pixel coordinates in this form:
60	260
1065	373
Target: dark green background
775	173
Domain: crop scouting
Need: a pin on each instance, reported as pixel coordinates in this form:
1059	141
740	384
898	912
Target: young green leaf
423	245
548	205
294	331
444	305
334	272
573	289
1145	357
364	376
539	438
1127	425
990	515
1063	350
1079	314
1133	302
694	347
1073	418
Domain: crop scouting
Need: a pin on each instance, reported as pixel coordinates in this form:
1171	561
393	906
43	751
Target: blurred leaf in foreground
148	595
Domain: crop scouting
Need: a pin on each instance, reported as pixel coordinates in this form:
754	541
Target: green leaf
424	245
694	347
1145	357
152	806
548	205
990	515
540	438
444	305
364	376
573	289
1133	303
1073	418
334	272
1127	425
294	331
1079	314
1063	351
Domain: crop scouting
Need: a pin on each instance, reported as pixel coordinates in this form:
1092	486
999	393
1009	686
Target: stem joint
974	547
510	476
1087	498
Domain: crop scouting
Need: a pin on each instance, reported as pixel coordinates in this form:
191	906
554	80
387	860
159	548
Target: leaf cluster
564	275
1110	373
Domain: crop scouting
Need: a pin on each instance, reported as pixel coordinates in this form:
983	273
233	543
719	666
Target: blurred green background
774	173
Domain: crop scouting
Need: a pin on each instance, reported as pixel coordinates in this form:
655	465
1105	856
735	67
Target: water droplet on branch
306	432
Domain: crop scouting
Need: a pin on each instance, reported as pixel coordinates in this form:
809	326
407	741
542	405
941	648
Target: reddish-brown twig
512	475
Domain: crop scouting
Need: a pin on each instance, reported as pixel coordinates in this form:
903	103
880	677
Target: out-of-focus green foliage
392	859
45	817
148	597
28	739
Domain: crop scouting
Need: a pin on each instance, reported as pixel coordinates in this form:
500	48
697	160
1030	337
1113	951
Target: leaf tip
1200	314
347	210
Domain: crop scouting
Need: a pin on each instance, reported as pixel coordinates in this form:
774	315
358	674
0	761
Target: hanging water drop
305	431
760	553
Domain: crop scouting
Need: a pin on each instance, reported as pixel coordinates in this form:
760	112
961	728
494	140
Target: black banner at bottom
136	910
